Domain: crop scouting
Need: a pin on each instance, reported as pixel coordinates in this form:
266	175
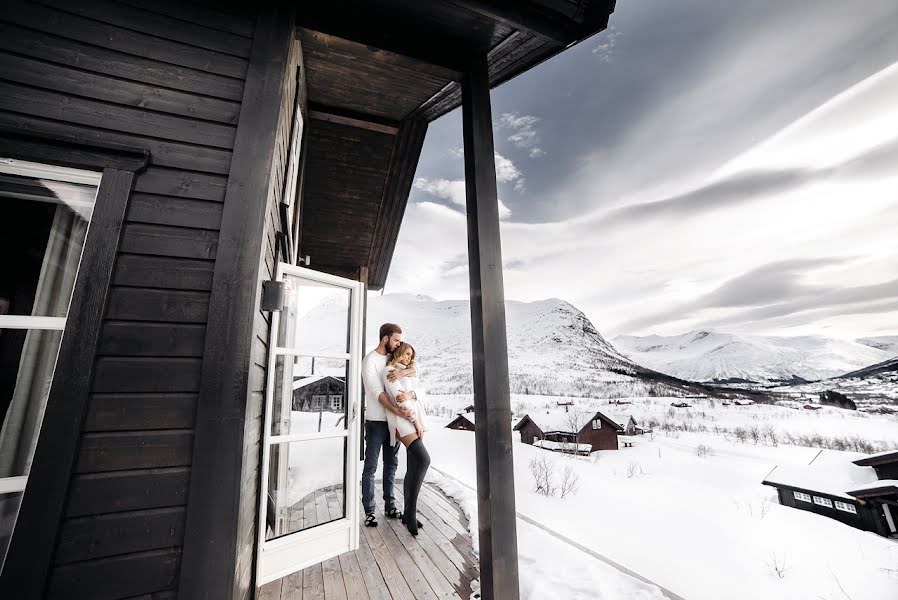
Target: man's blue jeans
377	438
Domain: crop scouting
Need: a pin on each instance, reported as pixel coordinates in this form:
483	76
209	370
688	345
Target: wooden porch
390	563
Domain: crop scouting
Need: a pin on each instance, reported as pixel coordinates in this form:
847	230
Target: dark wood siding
529	431
604	438
165	77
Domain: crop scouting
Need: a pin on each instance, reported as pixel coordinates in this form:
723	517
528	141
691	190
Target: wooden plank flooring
390	564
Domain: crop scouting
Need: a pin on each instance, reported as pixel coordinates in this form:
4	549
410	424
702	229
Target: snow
710	355
562	446
304	381
882	483
831	473
694	525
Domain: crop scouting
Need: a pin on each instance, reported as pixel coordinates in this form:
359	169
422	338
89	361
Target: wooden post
363	277
492	402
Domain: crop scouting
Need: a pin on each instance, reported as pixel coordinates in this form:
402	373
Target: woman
402	391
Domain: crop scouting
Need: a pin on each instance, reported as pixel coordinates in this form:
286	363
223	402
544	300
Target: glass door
309	505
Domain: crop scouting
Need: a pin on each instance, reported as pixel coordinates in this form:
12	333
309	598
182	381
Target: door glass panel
310	400
305	485
42	232
315	318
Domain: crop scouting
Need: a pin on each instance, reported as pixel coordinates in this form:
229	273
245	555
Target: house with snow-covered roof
319	393
575	427
843	486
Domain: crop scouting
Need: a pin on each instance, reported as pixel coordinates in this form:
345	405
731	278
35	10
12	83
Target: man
377	433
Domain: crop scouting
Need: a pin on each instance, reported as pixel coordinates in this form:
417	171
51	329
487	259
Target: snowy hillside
873	388
552	347
724	357
888	343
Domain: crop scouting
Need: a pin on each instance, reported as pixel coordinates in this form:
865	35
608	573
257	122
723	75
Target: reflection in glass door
309	502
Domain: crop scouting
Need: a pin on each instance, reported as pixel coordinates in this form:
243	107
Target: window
597	423
46	212
845	507
823	501
802	496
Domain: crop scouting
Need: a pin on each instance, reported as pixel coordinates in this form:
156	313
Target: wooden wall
167	77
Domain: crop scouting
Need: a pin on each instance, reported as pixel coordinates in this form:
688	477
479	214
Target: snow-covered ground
701	526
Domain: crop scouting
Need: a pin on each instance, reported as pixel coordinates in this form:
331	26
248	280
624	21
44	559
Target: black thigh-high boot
422	462
410	468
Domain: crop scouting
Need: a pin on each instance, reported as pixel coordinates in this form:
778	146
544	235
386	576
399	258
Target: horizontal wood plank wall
167	77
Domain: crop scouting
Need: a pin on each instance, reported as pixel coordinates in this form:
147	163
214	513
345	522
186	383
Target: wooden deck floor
390	563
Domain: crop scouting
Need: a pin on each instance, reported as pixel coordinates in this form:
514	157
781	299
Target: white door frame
290	553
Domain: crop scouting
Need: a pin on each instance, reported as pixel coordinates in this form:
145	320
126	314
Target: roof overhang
376	73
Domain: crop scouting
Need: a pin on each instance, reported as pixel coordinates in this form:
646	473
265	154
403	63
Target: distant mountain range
553	348
716	357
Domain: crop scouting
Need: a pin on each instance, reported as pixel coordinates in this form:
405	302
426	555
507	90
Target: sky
700	164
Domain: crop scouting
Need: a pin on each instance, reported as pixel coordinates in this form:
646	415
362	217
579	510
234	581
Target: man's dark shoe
370	520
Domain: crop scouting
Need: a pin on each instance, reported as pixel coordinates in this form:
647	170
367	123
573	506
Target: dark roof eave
886	490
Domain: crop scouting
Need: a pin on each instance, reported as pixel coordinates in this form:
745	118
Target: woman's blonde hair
400	350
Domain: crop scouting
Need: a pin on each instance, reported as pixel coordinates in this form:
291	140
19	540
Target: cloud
453	190
524	134
605	50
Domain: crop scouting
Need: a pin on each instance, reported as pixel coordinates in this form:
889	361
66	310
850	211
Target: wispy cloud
523	132
605	49
453	190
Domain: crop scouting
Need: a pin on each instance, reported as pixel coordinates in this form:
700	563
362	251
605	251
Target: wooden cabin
595	429
319	393
177	179
835	486
462	422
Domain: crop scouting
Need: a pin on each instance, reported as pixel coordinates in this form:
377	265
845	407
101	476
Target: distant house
744	402
851	491
319	393
633	428
680	404
595	429
463	422
567	404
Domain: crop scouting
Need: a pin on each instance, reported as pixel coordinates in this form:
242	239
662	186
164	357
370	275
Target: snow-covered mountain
552	347
889	343
724	357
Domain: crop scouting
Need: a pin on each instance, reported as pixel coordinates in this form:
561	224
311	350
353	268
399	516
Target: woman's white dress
404	384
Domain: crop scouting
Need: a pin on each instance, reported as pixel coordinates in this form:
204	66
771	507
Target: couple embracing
393	414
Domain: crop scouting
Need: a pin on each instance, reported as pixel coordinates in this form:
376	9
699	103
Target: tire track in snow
574	544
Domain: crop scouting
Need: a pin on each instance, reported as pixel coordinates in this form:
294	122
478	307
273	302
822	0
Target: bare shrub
777	565
755	432
570	482
543	472
741	434
771	434
703	451
634	470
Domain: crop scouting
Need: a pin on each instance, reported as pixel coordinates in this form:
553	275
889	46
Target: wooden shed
462	422
177	177
595	429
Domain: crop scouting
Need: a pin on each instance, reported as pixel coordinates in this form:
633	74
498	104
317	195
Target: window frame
845	507
597	424
825	502
33	170
803	497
